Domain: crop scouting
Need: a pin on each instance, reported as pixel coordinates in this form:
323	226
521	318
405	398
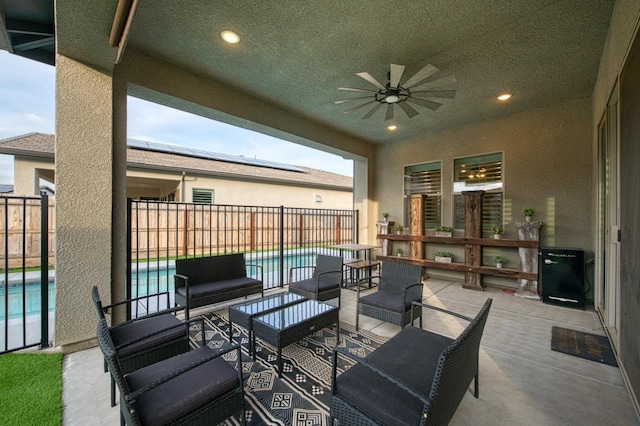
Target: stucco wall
547	165
25	175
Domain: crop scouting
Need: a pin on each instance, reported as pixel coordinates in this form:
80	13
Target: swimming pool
32	299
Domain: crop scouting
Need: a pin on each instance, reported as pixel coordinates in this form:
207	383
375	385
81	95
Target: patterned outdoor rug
584	345
302	395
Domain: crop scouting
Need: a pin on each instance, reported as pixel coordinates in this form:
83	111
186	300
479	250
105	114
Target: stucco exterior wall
547	165
25	175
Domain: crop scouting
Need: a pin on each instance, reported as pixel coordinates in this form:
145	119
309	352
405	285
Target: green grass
31	389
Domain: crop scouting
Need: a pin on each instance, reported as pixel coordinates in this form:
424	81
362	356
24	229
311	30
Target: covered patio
522	381
330	75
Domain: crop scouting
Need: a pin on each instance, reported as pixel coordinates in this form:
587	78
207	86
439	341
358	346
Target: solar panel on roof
199	153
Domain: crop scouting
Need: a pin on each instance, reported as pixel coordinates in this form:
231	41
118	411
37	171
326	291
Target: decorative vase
443	259
496	236
399	254
499	265
527	218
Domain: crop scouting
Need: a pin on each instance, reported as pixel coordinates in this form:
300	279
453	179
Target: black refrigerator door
562	276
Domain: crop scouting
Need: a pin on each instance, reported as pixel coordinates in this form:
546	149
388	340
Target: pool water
32	299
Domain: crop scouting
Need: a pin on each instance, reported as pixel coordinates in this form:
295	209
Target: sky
27	104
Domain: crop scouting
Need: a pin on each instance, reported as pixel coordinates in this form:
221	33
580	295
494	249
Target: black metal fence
25	285
276	238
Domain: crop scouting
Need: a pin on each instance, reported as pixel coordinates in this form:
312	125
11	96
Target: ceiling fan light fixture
230	37
392	127
504	97
392	99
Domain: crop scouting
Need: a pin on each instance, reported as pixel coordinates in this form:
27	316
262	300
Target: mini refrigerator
561	276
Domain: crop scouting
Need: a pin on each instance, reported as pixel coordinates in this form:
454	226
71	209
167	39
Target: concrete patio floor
522	381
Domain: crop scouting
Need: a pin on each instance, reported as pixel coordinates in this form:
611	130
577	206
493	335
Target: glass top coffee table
287	325
242	314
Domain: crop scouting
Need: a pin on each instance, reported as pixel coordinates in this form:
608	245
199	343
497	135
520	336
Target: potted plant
399	228
528	213
444	231
399	252
385	216
499	261
444	256
497	230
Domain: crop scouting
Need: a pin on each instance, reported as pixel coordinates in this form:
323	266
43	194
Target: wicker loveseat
416	377
206	280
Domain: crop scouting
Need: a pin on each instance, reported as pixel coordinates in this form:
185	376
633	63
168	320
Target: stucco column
85	200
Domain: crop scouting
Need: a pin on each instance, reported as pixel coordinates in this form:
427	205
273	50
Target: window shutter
426	179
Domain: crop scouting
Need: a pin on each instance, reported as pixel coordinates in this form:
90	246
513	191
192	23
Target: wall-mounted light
505	97
318	198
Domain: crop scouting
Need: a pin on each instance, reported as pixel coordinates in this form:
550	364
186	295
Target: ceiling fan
393	93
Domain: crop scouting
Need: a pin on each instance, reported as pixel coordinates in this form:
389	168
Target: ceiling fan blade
408	109
358	107
389	114
395	75
444	81
448	94
373	110
433	106
425	72
341	101
353	89
371	79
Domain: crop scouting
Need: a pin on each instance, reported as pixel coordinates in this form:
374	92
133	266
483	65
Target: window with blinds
203	196
479	173
426	179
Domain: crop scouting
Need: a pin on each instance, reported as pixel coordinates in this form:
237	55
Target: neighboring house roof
156	156
6	189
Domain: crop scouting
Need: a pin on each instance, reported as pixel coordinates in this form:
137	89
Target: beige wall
25	175
547	166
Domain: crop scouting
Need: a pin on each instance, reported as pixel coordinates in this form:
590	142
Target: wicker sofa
206	280
416	377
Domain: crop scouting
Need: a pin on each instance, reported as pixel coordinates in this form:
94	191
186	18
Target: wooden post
473	229
416	224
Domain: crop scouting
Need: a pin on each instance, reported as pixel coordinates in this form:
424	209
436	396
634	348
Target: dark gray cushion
387	300
129	332
310	284
185	393
409	357
221	287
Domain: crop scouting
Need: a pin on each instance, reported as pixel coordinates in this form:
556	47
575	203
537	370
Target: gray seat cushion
129	332
183	394
386	300
309	285
413	360
220	287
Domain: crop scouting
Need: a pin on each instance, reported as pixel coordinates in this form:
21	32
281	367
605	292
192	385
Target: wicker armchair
325	282
146	340
416	377
196	387
399	284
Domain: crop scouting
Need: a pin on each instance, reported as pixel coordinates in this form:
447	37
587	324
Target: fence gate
276	238
26	290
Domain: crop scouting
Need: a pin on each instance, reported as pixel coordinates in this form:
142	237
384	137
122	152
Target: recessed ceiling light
230	36
392	127
504	97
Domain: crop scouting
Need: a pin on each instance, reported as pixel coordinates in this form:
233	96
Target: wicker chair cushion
185	393
413	360
212	268
387	300
325	264
310	285
147	326
220	287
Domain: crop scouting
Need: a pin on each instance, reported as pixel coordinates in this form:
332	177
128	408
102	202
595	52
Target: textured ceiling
296	54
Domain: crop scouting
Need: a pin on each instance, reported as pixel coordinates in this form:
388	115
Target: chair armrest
406	290
180	280
342	351
435	308
297	267
135	395
107	308
258	267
